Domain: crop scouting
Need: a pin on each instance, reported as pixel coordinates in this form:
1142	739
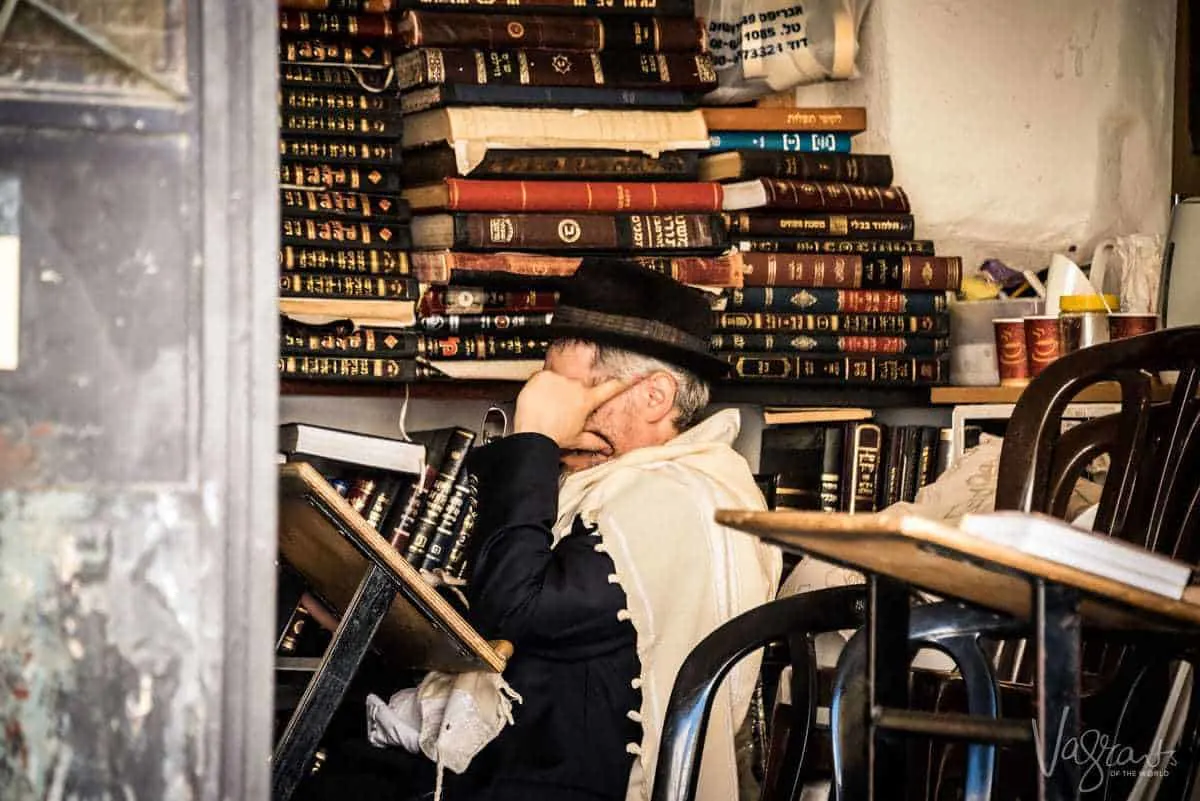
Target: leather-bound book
365	287
494	94
338	151
545	32
446	532
343	340
476	323
883	225
932	325
477	300
432	66
341	177
433	164
347	260
583	232
835	301
335	233
341	205
329	100
446	266
862	463
336	25
449	467
793	195
484	346
649	8
347	368
320	50
464	194
851	168
834	369
350	6
847	247
889	272
828	343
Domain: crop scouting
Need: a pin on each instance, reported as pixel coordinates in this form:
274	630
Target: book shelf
1107	392
760	394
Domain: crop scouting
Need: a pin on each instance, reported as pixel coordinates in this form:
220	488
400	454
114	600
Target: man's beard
591	449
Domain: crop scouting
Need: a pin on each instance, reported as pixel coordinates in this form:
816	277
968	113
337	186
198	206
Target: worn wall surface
132	459
1023	127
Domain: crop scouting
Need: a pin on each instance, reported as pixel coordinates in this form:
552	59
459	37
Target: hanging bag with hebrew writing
764	46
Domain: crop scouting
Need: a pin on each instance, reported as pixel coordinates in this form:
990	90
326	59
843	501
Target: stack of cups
1027	345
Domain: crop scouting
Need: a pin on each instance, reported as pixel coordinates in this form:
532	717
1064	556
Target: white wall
1019	127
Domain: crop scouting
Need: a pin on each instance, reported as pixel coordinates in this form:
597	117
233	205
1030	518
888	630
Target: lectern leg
328	685
1057	638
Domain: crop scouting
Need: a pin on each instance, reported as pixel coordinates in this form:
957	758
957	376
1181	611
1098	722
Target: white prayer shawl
683	575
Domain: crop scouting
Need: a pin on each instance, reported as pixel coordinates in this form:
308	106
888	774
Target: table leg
1057	640
328	685
887	680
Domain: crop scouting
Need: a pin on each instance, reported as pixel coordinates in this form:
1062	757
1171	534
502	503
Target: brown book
433	66
462	194
484	346
339	176
333	233
310	76
348	260
350	6
832	368
881	272
477	300
842	119
792	195
321	124
442	266
323	285
333	101
874	226
851	168
328	23
863	247
342	205
534	32
937	325
585	232
332	51
433	164
338	151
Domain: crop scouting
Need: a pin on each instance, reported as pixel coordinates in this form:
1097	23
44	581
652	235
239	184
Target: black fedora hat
623	303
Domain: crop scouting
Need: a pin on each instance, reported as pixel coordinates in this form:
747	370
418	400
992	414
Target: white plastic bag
764	46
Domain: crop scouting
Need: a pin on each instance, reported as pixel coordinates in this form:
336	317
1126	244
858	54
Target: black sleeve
521	589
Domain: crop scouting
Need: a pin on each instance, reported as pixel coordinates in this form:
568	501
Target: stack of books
345	231
533	140
836	289
414	493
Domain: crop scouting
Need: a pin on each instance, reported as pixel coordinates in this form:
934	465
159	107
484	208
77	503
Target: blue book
783	141
832	301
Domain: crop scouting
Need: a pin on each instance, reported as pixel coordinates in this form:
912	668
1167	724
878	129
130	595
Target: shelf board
1104	392
766	394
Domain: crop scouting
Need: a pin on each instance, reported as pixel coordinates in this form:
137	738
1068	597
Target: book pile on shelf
837	289
533	140
345	231
843	460
416	494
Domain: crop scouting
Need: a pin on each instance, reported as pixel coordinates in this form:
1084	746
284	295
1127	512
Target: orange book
840	119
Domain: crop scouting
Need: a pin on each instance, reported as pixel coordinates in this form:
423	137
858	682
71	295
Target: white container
973	339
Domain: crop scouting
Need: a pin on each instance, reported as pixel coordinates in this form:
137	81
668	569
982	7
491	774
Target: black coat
575	662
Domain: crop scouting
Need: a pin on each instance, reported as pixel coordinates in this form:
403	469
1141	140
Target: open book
1055	541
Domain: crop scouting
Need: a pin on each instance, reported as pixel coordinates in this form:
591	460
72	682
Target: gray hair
691	391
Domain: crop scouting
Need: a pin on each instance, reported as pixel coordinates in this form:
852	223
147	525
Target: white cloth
683	575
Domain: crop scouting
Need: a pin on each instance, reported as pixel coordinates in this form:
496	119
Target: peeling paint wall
136	473
1023	127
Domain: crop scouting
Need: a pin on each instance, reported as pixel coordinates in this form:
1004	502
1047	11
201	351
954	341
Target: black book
450	464
457	561
446	533
458	94
432	164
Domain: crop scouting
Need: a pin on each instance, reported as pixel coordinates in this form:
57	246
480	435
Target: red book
439	266
464	194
